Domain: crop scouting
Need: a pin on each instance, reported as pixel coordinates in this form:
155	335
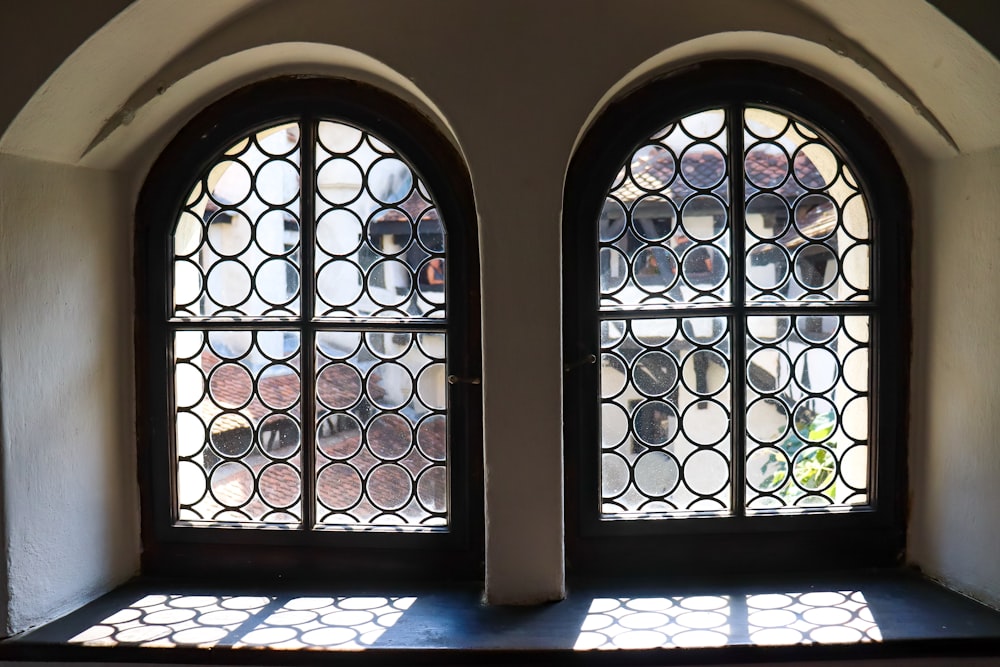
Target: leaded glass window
309	357
685	273
326	404
736	308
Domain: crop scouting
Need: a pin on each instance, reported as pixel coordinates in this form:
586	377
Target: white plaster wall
955	437
69	492
514	83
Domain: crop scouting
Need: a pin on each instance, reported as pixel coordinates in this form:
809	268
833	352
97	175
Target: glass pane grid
377	329
807	411
806	249
381	425
665	413
380	241
807	235
664	229
236	243
238	436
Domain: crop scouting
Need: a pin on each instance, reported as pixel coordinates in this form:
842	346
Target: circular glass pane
816	216
389	231
705	372
815	419
704	267
339	181
339	436
767	266
653	218
614	425
390	180
655	269
655	423
766	165
703	166
705	422
338	232
389	436
655	373
277	182
767	216
652	167
431	437
703	217
767	420
815	266
389	486
338	386
767	469
768	370
339	486
656	474
389	385
706	472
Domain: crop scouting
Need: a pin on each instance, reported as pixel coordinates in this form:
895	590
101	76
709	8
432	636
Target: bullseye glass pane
380	241
236	242
238	426
381	447
665	415
807	416
807	225
664	228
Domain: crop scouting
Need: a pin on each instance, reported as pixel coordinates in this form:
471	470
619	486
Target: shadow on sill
880	614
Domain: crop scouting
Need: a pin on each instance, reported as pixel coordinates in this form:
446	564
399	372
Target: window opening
668	240
377	394
294	413
735	341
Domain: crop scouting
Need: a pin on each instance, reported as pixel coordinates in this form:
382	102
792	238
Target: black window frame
683	547
349	557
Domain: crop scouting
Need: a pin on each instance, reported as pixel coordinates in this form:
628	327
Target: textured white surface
65	334
515	81
955	450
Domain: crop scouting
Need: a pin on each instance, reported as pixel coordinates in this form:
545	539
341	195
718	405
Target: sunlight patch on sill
827	617
242	621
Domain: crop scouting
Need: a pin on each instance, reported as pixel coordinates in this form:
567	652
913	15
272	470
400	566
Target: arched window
735	329
307	284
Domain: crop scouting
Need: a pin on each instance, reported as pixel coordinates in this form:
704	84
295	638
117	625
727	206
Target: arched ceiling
134	81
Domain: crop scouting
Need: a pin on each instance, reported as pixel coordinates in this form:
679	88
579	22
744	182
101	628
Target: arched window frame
696	545
338	555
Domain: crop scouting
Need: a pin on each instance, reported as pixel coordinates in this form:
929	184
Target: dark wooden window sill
895	614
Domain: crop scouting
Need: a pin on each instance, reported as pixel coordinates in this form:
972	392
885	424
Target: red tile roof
708	166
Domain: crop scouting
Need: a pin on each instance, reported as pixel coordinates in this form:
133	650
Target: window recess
739	254
297	354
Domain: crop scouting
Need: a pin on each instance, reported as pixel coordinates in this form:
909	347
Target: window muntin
366	330
748	410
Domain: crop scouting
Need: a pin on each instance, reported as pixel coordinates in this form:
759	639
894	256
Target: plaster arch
155	112
145	94
190	45
906	123
133	134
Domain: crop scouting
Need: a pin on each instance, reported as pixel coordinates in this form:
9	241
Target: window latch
589	359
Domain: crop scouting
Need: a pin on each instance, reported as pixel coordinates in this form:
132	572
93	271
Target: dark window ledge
871	615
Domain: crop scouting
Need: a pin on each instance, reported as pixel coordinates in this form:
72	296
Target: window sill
856	616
